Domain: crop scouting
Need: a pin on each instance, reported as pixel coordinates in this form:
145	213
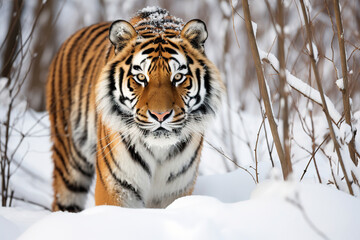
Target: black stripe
170	34
76	165
121	78
70	186
111	77
128	61
68	64
148	35
81	90
179	147
189	59
84	137
207	78
108	54
136	157
91	41
198	78
173	44
99	172
171	51
101	42
60	156
148	51
172	58
142	121
146	44
206	106
153	65
186	167
179	120
122	183
69	208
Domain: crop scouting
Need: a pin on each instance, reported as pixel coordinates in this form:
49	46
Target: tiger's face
160	90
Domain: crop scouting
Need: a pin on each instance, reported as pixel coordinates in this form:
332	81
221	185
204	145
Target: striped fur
130	101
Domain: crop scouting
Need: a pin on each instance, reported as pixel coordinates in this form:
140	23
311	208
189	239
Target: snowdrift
275	210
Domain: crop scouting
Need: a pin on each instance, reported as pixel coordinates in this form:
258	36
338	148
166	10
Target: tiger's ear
120	33
195	31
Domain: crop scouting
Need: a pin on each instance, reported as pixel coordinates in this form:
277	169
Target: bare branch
345	90
321	91
285	166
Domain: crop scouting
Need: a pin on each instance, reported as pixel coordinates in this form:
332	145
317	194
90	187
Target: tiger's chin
162	138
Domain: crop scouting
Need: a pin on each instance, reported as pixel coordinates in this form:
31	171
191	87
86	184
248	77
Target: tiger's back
71	106
132	125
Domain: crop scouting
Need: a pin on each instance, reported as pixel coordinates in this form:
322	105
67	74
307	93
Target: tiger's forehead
159	45
157	51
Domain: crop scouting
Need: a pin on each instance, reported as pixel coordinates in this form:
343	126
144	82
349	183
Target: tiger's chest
159	175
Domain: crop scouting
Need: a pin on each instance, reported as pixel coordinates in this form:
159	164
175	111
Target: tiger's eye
141	77
178	77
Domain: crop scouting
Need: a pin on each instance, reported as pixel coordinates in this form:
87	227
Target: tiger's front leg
72	178
112	185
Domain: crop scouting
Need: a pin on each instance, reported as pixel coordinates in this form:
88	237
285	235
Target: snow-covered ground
274	210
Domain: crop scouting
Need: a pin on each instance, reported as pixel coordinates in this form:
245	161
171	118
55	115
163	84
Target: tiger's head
159	88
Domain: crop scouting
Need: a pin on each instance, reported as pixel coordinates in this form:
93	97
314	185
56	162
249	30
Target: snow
157	16
315	51
226	8
275	210
301	86
254	26
313	94
149	9
345	132
340	83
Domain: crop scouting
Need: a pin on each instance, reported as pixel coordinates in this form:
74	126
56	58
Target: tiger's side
130	101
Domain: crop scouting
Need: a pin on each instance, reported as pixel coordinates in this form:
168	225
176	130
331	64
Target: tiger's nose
160	117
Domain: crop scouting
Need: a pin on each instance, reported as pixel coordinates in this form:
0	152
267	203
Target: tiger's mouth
161	132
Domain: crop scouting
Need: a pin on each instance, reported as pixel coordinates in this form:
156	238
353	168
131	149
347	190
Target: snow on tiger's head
159	87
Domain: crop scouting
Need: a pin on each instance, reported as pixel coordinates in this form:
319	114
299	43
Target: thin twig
255	149
31	202
235	163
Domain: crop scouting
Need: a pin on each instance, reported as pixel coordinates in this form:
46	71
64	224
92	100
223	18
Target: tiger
131	102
